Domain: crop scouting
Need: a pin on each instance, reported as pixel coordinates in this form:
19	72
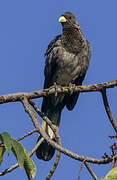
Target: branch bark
57	146
52	90
25	98
45	118
108	111
91	171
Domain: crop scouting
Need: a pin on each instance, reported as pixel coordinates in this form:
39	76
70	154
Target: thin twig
23	97
91	171
45	118
57	146
79	172
30	112
108	111
36	146
52	170
60	90
113	163
8	170
27	134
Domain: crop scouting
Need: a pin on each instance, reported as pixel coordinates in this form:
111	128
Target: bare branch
31	113
91	171
52	170
79	172
57	146
36	146
52	90
113	163
45	118
27	134
23	98
108	111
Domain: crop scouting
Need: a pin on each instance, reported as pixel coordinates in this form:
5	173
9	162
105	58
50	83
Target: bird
67	60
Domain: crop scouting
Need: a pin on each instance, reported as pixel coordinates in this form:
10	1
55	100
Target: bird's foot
56	89
71	88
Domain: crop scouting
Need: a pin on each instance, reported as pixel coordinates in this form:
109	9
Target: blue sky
26	28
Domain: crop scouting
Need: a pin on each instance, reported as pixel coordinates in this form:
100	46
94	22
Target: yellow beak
62	19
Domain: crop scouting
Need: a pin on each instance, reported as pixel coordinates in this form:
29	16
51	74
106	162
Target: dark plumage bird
67	60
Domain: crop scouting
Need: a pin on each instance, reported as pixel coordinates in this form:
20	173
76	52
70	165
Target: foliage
112	175
9	144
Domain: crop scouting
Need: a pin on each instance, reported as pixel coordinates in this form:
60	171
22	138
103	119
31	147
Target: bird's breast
68	68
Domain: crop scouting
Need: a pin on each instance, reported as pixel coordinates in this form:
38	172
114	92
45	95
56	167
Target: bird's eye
70	17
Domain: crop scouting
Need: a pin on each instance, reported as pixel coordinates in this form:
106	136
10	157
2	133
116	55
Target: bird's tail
45	150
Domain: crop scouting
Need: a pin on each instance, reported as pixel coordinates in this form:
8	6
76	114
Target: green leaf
2	150
6	140
102	178
112	175
29	166
18	151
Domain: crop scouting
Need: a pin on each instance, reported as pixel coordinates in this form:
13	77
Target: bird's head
68	20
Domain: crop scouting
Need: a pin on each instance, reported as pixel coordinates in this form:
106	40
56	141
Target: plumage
67	60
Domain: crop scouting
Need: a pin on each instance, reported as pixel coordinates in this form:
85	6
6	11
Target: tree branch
52	170
30	112
57	146
108	111
27	134
52	90
91	171
24	97
79	172
45	118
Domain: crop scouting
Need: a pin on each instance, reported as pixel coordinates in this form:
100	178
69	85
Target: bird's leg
62	88
71	88
56	89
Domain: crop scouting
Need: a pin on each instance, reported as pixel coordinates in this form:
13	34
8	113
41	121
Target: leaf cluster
9	144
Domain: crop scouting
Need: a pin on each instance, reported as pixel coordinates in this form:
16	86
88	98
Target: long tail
45	150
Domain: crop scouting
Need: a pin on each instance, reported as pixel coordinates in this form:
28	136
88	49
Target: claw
56	89
71	88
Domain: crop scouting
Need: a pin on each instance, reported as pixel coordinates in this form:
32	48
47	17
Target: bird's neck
72	39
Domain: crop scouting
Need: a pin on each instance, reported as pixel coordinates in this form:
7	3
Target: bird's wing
50	63
71	100
50	69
